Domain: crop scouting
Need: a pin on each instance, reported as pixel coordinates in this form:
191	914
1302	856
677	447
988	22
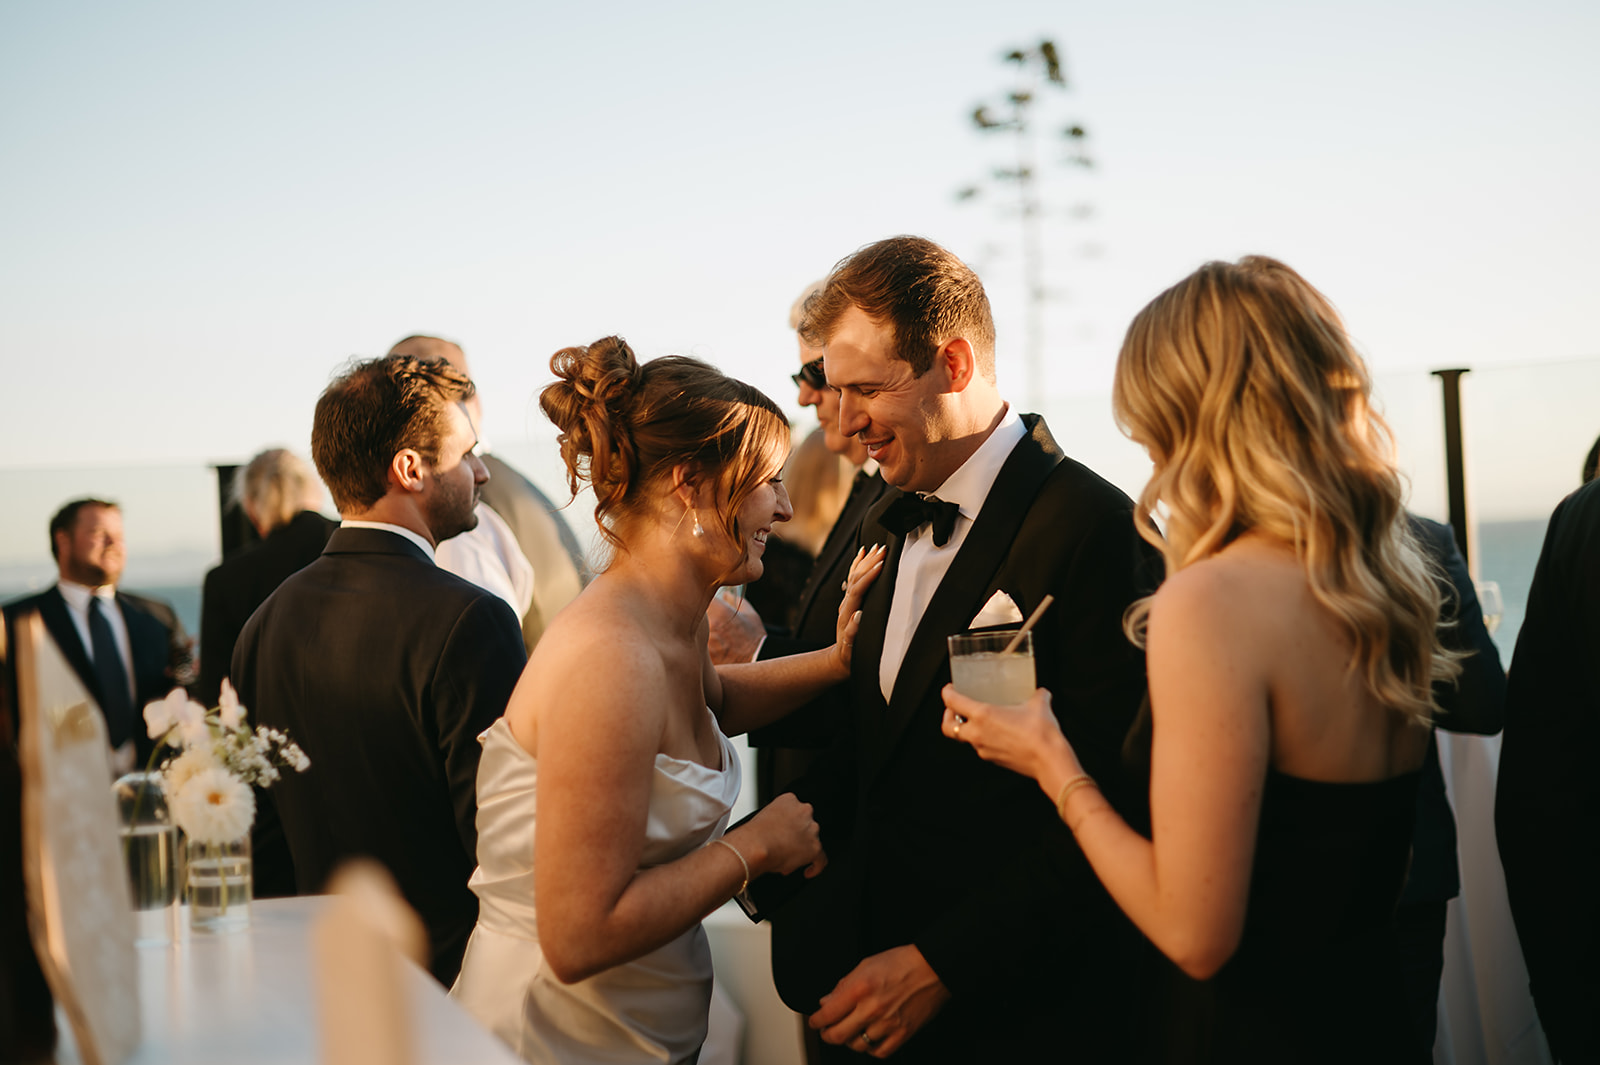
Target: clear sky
205	208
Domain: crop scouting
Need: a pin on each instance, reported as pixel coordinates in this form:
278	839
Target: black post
1454	465
237	532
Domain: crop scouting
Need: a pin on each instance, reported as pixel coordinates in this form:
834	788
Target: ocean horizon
1508	552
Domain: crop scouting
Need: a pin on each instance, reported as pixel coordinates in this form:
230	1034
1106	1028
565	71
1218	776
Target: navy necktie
913	511
115	701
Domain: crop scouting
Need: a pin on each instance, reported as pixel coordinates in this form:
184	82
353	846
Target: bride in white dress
588	946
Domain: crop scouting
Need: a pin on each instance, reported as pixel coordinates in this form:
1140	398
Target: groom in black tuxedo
956	920
382	666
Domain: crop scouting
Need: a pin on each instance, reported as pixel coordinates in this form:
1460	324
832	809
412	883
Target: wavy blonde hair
1241	382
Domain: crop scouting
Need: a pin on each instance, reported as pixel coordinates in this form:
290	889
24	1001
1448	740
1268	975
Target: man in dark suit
1547	803
126	649
383	667
545	541
1473	703
786	748
956	920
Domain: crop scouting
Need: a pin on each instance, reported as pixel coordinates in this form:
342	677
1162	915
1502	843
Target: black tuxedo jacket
1547	803
385	669
932	846
786	748
162	659
235	588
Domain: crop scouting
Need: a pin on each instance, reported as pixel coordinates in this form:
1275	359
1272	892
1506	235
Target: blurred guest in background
818	482
1474	704
384	667
126	649
521	549
738	633
280	495
1547	804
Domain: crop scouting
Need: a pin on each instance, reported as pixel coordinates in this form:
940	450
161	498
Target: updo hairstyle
625	427
1255	406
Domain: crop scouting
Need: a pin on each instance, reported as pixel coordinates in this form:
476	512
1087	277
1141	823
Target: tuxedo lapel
874	621
966	586
58	622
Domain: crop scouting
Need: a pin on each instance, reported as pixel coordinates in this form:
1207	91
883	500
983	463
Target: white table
249	998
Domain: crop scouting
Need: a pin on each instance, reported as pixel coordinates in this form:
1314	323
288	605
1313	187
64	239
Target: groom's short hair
923	292
374	410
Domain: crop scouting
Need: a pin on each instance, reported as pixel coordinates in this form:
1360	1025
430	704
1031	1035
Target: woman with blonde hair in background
818	483
1291	651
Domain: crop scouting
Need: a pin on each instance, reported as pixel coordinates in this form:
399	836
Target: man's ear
958	361
406	469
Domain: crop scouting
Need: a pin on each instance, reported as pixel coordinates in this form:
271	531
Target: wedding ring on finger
867	1039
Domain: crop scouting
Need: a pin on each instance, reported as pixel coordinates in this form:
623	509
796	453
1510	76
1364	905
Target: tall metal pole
1454	461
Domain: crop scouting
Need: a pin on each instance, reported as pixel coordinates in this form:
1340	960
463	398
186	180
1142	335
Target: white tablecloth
249	998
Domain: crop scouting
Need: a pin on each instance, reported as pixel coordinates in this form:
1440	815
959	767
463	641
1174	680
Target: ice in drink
992	677
981	668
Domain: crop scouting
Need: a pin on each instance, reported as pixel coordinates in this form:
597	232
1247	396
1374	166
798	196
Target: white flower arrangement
208	781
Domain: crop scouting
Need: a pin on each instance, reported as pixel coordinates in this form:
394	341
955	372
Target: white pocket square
999	610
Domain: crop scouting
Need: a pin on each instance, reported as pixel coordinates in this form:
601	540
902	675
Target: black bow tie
913	512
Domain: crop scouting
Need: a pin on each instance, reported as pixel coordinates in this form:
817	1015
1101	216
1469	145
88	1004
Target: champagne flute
1490	602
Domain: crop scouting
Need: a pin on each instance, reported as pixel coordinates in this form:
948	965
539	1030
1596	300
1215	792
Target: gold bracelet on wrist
742	862
1082	780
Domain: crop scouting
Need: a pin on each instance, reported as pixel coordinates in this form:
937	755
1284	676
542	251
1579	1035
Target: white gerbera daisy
214	806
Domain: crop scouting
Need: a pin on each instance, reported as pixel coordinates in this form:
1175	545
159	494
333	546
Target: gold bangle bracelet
1082	780
742	862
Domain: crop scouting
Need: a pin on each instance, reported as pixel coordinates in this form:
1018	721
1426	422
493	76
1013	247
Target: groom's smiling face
901	418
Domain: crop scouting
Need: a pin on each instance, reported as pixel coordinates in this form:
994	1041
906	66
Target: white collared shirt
490	557
78	597
922	564
398	530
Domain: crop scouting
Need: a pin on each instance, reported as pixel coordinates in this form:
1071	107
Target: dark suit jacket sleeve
216	646
1044	902
479	667
1548	795
1475	701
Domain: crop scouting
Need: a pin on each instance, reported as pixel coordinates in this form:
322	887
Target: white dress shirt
78	597
398	530
923	564
490	557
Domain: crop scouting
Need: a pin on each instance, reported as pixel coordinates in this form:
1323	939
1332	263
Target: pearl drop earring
698	531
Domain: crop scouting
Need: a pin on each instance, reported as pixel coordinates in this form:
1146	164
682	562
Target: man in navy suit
382	666
126	649
956	920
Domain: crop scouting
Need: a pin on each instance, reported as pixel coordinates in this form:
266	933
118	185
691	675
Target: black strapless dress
1316	977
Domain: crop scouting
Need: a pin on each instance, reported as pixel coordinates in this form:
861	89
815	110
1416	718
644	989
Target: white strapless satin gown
652	1009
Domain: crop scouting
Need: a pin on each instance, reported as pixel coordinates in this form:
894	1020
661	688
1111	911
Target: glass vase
218	886
150	853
